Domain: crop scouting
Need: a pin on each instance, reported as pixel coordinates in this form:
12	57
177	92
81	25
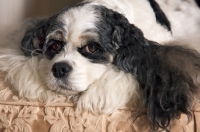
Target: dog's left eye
91	48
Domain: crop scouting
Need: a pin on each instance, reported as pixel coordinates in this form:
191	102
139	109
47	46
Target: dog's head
79	45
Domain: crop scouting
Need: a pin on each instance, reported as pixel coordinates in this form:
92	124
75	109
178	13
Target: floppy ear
34	37
171	84
167	85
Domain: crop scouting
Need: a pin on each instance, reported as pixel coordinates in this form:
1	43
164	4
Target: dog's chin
67	91
70	92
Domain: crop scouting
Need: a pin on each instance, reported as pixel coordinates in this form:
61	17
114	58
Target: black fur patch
38	30
160	15
110	28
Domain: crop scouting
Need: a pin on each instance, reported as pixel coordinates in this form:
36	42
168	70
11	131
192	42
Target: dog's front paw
105	96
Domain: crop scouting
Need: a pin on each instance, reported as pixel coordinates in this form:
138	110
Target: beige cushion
20	115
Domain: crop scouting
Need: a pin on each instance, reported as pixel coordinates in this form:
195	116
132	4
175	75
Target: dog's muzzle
61	69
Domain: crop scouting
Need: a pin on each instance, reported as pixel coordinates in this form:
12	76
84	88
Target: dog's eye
56	45
91	48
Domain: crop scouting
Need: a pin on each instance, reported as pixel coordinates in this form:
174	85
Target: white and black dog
93	52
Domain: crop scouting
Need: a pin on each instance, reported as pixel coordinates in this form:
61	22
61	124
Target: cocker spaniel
106	54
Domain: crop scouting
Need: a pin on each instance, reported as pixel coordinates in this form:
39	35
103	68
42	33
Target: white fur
22	73
113	90
77	20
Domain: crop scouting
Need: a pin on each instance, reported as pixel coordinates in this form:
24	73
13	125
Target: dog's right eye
55	46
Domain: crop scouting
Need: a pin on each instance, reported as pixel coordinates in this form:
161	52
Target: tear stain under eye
41	42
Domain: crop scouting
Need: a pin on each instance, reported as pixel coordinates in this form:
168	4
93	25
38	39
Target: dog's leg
104	96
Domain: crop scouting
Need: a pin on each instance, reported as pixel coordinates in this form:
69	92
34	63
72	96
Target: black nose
61	69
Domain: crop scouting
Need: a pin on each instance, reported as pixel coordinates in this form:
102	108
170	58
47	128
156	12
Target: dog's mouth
68	88
62	86
65	88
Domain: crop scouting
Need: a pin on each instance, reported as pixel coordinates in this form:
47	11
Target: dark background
37	8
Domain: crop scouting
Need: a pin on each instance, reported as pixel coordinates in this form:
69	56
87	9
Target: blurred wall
13	12
47	7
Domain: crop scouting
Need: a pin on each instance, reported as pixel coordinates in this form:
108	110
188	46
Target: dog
105	57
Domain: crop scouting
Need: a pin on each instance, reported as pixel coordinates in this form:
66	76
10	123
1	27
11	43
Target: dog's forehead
79	23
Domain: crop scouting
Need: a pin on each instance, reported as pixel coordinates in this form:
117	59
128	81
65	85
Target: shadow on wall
13	12
47	7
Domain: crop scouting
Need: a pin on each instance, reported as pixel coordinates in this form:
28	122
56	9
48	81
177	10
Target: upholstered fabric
20	115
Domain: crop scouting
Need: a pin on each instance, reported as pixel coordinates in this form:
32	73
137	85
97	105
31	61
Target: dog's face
77	46
74	55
